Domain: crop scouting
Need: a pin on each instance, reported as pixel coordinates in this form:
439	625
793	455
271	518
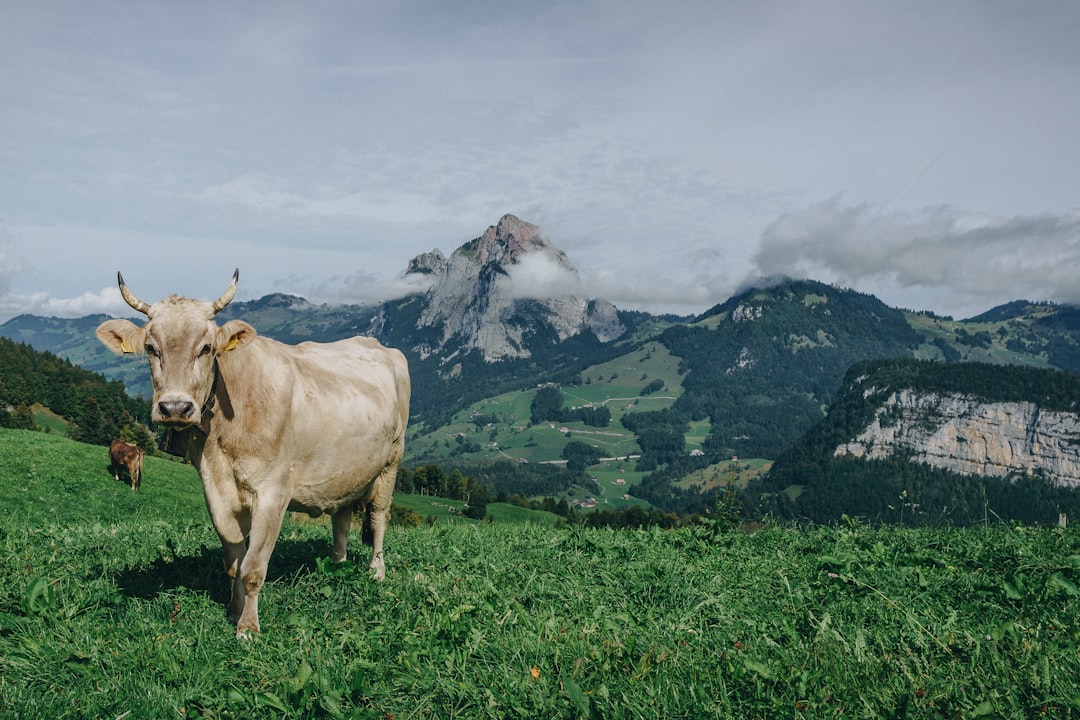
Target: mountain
941	442
486	296
764	364
505	311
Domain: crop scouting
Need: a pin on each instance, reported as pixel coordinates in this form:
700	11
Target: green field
435	509
500	427
934	328
113	606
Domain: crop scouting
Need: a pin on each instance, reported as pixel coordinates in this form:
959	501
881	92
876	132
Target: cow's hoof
246	633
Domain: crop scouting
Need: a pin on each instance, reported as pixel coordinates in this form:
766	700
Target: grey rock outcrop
486	296
969	436
430	263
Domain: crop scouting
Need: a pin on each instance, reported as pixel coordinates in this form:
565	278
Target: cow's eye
151	350
205	350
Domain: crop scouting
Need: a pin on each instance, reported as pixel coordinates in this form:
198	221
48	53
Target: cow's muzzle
176	412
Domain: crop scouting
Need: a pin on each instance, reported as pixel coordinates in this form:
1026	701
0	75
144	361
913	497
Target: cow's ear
121	336
233	334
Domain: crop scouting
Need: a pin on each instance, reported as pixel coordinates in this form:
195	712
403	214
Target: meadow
500	427
113	606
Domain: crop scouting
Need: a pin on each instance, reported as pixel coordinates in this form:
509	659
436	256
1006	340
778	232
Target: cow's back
335	412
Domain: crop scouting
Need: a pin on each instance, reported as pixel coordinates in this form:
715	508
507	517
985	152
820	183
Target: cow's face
182	343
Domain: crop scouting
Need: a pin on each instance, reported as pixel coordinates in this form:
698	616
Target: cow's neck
181	442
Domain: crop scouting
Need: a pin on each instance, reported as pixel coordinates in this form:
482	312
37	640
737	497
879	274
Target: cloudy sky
926	152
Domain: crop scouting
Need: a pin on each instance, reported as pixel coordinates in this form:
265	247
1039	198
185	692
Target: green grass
49	421
113	605
508	513
934	328
616	385
439	509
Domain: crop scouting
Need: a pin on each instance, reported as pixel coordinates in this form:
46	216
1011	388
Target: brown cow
125	457
318	428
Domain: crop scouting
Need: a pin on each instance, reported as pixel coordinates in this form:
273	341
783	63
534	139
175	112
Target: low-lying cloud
539	276
364	288
106	301
976	257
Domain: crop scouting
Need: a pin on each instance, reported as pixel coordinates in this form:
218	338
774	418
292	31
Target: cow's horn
227	296
130	299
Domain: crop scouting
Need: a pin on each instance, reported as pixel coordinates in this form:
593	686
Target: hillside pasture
721	474
113	605
501	426
45	419
991	346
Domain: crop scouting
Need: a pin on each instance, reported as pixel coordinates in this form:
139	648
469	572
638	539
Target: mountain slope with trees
761	367
810	481
97	410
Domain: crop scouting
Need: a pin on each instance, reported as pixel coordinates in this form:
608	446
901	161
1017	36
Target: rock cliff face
966	435
496	292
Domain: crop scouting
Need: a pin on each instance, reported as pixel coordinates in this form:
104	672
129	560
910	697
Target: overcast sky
925	152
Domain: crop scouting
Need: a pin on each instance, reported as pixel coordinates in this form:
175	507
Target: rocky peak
508	241
473	299
429	263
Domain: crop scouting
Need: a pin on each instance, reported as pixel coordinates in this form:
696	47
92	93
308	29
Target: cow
125	457
314	427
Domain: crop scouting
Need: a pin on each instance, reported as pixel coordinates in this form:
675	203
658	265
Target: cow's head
182	342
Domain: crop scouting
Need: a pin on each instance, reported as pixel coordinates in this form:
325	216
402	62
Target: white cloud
540	276
972	256
362	288
107	301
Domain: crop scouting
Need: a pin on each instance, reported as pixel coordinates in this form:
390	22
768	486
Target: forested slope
809	480
97	409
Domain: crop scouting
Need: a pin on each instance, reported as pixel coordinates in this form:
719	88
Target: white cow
314	427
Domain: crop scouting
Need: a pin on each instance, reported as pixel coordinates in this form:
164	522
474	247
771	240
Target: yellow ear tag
232	345
125	348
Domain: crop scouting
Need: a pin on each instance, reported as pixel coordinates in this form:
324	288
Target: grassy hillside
500	427
45	478
113	605
616	385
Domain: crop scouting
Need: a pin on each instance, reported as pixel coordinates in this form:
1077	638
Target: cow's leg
342	522
231	530
235	552
378	515
232	522
268	512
